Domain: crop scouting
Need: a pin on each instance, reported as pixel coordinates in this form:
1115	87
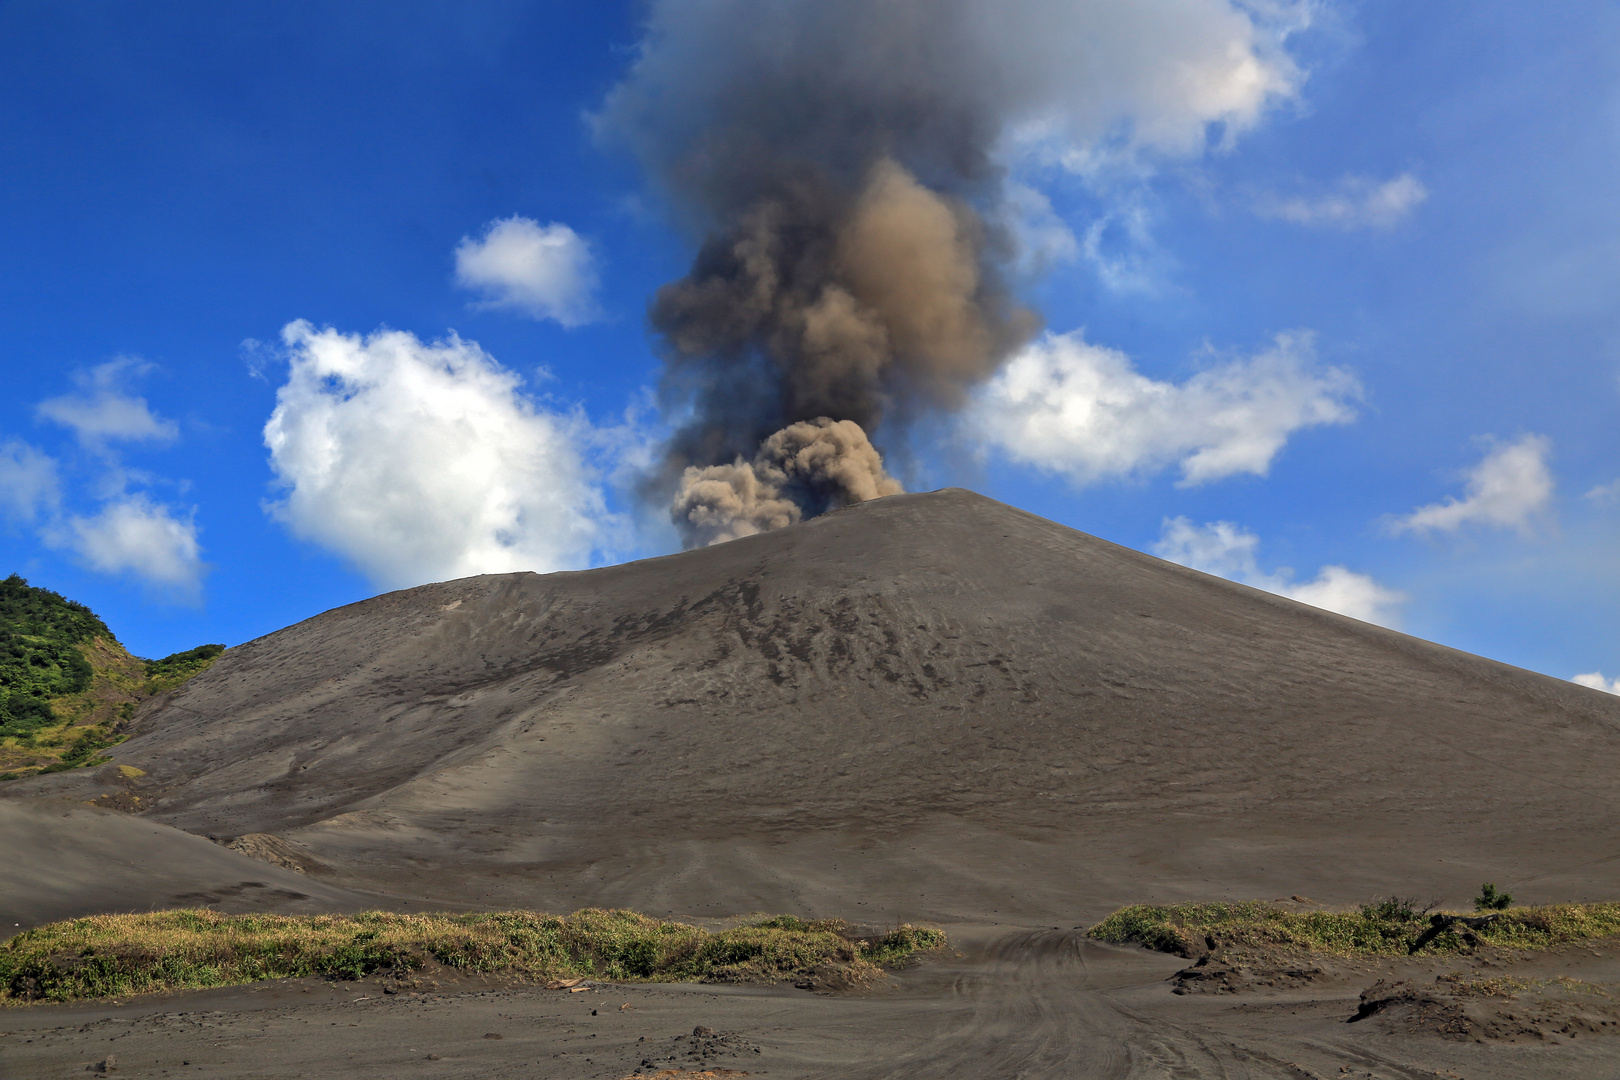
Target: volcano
923	706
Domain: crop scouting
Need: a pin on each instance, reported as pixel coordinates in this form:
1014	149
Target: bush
1491	900
176	668
1397	909
22	713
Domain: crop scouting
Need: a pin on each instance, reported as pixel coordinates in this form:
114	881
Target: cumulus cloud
1596	681
1358	203
28	482
1224	549
1506	490
545	271
103	409
131	534
422	461
135	535
1089	84
1082	410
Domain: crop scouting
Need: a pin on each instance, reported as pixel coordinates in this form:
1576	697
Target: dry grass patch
106	955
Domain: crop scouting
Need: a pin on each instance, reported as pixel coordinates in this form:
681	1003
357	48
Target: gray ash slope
929	706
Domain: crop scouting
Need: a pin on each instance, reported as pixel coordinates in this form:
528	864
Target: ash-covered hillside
926	705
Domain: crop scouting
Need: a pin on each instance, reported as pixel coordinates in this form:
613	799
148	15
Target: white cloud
1120	248
135	535
425	461
1091	85
1604	493
103	409
545	271
1101	85
1040	236
131	534
1596	681
1505	490
28	481
1359	203
1084	411
1223	549
1339	589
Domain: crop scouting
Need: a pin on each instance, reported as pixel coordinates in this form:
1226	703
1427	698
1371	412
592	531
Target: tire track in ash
1030	1007
1025	1006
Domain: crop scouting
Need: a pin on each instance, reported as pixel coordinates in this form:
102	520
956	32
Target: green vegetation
105	955
1491	900
68	689
84	750
166	674
40	658
1385	928
1397	909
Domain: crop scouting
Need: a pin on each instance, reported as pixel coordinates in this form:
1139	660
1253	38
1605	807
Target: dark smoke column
833	155
835	162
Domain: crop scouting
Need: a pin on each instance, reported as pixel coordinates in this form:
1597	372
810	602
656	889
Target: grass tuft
1379	929
105	955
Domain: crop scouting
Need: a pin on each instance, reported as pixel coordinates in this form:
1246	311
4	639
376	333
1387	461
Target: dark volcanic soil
928	707
1032	1003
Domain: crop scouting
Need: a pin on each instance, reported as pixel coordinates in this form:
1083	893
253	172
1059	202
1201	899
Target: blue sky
1364	317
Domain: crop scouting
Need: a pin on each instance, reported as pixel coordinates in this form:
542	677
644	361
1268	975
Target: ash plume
805	469
839	160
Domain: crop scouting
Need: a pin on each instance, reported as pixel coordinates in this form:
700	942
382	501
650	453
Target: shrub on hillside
40	632
176	668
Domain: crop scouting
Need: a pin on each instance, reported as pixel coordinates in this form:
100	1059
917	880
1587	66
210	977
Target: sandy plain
927	708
